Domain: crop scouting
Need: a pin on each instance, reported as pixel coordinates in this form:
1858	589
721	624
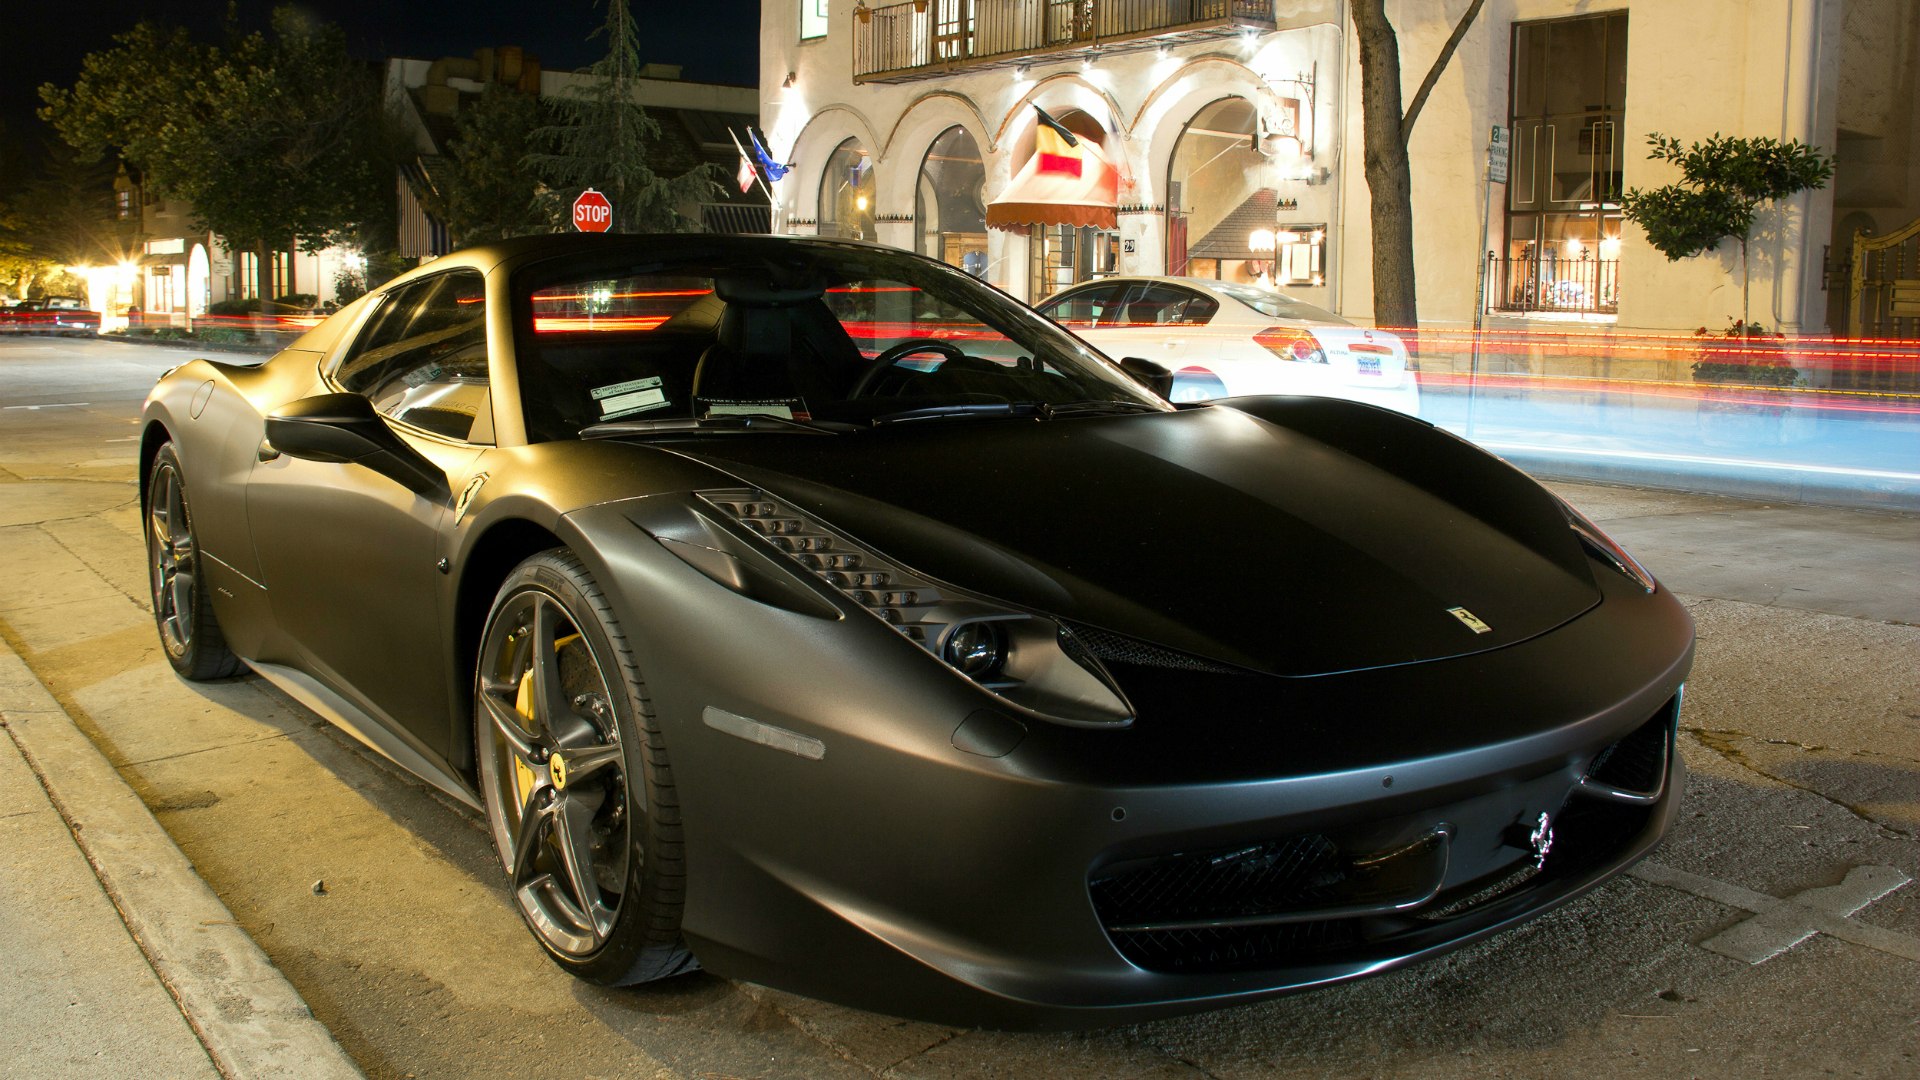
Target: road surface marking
1779	924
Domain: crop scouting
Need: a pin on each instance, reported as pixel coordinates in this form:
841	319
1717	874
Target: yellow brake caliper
523	778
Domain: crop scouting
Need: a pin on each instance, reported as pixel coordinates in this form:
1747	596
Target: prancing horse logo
1470	620
1541	839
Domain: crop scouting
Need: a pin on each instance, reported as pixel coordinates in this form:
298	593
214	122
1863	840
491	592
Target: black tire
182	604
565	738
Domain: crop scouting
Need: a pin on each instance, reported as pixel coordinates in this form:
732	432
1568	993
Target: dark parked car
811	612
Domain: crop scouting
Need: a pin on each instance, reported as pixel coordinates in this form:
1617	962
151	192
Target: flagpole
771	201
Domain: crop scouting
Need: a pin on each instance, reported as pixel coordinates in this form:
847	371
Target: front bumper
902	873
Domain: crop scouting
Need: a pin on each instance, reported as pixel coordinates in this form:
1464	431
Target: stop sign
592	212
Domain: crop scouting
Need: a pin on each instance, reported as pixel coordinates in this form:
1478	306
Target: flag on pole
773	169
746	175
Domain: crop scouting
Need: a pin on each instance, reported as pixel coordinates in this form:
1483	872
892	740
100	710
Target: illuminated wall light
1610	248
860	202
1574	247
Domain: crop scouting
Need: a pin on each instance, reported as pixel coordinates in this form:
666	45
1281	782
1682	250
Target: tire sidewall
559	574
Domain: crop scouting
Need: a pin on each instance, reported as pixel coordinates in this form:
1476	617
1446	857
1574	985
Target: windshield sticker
785	408
627	398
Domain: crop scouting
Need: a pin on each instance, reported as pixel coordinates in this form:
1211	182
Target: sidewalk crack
1724	745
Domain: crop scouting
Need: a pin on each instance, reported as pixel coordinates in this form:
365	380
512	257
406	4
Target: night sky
44	40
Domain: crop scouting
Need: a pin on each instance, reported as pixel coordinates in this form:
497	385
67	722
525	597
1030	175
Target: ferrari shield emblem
1470	620
557	770
1541	839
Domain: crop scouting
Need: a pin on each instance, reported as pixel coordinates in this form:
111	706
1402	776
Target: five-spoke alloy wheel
575	778
182	609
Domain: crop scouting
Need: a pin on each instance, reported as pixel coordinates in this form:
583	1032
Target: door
347	554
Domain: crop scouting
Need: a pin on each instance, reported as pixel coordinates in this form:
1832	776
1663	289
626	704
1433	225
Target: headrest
756	331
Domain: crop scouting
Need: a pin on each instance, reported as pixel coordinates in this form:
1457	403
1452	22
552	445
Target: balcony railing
1569	286
920	40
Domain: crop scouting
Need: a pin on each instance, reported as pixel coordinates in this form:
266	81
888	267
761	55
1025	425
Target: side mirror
344	428
1153	375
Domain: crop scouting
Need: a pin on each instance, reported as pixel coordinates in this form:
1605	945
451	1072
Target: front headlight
1598	542
1015	655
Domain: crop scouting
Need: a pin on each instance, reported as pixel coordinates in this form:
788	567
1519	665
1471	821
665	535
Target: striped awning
1059	185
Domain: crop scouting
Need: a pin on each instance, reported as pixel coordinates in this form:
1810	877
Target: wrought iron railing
920	38
1576	286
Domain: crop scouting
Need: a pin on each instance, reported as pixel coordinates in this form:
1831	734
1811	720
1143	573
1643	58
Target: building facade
427	95
1233	132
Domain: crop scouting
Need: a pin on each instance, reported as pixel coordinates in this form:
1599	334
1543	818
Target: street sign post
592	212
1497	154
1498	149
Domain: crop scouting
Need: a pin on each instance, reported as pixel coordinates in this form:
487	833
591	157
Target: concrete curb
250	1019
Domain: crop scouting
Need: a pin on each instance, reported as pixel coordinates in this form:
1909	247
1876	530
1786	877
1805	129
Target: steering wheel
868	378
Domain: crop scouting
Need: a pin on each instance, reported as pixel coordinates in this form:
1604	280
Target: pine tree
602	137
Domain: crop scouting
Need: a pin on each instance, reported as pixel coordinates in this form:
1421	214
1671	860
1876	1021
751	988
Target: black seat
777	353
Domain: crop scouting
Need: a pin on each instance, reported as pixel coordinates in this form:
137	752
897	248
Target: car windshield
1278	305
835	337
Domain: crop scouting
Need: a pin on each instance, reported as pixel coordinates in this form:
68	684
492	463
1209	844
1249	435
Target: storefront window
1064	254
948	206
846	193
1563	193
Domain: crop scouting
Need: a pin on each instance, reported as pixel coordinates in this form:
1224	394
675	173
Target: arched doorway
199	281
846	193
949	210
1220	198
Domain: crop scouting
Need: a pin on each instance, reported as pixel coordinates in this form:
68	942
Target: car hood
1294	537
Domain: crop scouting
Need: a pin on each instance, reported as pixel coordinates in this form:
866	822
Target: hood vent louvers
1109	647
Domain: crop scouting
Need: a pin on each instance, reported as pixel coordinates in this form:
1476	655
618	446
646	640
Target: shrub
1754	361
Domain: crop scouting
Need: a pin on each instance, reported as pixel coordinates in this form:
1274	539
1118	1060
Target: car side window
1083	309
422	357
1159	304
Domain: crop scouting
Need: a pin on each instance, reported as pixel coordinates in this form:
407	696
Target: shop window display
846	193
949	210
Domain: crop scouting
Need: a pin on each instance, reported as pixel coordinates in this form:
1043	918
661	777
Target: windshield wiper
685	425
1096	407
1039	410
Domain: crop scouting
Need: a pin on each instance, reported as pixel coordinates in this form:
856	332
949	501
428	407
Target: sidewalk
120	961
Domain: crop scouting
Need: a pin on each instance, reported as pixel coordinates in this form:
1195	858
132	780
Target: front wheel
574	774
182	604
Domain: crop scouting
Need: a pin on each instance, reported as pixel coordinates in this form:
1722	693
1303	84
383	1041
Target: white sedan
1222	339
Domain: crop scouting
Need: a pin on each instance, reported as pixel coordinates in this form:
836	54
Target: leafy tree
1723	183
483	193
64	216
1385	135
272	139
602	140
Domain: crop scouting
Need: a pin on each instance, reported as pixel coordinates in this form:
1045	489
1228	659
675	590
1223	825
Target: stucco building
1233	132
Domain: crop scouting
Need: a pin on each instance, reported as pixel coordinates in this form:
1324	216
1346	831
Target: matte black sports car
811	612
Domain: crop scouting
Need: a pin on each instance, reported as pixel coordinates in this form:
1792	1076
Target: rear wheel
182	604
574	775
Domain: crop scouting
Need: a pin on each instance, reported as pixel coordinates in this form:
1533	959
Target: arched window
846	193
1220	198
949	208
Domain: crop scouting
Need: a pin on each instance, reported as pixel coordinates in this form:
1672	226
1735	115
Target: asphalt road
1801	728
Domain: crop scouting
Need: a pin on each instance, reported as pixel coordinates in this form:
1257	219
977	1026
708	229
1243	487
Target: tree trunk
1746	290
293	259
263	273
1389	181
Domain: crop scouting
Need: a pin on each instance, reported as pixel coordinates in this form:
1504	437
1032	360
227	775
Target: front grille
1110	647
1636	763
1297	872
1235	948
1300	898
